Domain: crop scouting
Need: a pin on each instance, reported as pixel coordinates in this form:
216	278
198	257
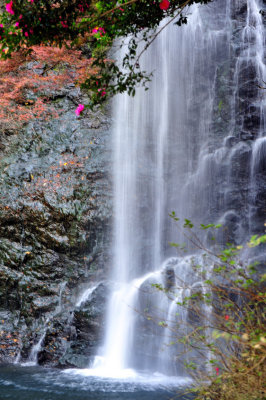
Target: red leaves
57	177
15	81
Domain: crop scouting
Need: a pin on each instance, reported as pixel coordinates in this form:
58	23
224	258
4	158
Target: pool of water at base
36	383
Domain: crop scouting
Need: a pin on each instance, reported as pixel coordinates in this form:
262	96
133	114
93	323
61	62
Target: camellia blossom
81	8
64	24
226	317
98	29
79	109
164	4
9	8
102	91
217	370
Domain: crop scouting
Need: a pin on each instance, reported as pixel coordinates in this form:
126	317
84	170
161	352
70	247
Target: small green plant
224	331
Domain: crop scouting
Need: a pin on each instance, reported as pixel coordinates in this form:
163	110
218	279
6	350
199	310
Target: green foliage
226	321
257	240
99	23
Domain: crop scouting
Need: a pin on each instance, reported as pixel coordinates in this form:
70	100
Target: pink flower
79	109
20	17
217	370
81	8
9	8
1	25
226	317
98	30
164	4
26	34
17	24
64	24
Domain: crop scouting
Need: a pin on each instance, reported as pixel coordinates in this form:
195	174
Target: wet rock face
74	334
55	210
236	198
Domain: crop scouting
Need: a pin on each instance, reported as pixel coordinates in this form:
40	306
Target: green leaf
163	324
188	223
172	244
256	240
206	226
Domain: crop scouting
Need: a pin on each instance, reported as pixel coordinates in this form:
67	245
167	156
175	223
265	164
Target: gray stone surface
55	211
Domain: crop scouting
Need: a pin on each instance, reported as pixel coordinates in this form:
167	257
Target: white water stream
172	151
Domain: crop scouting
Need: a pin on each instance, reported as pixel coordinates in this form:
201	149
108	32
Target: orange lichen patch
56	177
63	55
24	92
12	64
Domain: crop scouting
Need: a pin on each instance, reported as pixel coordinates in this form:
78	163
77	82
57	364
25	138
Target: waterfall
85	296
190	144
37	347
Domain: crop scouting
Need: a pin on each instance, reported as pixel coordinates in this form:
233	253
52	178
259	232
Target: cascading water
37	347
189	144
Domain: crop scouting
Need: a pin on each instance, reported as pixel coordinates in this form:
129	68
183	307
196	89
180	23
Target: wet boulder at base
75	334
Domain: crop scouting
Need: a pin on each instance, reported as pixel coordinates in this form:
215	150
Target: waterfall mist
192	144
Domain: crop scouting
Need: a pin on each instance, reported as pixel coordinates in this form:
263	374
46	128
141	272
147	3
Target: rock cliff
55	211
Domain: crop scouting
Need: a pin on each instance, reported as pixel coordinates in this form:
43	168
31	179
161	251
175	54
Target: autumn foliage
28	23
26	83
